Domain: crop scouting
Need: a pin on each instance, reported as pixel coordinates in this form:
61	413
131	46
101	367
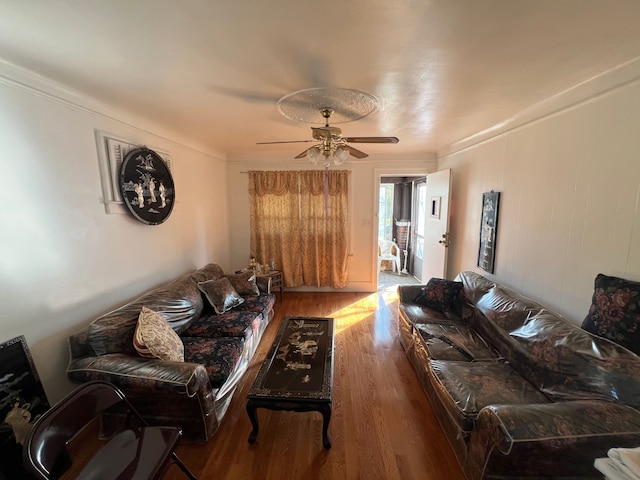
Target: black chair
139	452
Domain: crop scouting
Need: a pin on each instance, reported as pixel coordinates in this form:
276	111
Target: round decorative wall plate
147	186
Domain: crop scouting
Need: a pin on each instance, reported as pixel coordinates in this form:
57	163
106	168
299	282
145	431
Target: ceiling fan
332	143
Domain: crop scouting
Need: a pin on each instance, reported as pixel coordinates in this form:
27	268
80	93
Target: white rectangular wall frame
111	152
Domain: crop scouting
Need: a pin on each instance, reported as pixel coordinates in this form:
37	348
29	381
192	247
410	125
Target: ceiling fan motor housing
325	133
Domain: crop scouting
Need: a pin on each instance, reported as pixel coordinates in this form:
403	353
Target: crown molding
584	92
40	86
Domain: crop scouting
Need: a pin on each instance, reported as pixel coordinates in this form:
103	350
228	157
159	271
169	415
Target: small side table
276	281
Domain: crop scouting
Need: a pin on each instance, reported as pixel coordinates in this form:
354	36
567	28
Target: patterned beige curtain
300	220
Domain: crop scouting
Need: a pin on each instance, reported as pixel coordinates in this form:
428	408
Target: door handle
445	240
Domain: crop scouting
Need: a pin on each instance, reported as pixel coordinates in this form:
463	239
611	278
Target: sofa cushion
237	323
154	338
615	311
417	314
475	286
212	271
178	302
568	363
465	388
219	356
439	294
262	303
560	358
220	294
506	309
455	342
244	283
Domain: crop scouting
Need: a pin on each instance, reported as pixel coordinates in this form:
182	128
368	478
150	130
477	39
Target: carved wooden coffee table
297	374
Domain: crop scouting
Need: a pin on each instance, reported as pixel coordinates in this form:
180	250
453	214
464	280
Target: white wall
570	201
365	180
63	260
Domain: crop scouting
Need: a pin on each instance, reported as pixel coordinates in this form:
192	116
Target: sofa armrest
165	393
407	293
554	439
264	284
142	374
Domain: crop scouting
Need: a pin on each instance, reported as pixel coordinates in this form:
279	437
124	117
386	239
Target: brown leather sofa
519	391
193	394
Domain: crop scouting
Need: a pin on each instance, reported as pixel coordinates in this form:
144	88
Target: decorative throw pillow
439	294
154	338
615	311
220	294
244	283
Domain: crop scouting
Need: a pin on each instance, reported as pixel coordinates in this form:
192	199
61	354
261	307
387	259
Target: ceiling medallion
347	104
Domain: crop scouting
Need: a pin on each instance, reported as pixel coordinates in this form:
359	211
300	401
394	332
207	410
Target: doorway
395	224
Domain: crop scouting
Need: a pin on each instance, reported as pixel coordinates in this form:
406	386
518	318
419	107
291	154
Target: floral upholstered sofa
519	391
180	360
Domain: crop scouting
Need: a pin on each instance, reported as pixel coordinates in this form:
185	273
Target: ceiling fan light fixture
340	156
334	146
314	155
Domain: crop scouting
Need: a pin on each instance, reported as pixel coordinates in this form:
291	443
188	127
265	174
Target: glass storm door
418	220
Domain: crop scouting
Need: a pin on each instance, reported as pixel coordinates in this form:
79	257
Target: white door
436	225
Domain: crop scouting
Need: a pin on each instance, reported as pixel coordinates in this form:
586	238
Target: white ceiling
213	70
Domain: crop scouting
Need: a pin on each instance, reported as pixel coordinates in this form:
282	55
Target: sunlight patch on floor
362	309
354	313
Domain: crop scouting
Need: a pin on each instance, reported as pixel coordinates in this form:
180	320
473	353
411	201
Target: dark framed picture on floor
488	231
22	401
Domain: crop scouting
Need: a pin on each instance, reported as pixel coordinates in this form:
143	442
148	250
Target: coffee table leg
326	418
253	416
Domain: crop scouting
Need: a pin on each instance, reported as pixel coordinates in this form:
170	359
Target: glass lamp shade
314	155
327	157
340	156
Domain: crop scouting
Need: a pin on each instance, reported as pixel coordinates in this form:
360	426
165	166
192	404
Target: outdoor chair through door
388	250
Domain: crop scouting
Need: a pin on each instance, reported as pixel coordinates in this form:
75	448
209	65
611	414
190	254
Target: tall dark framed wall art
22	401
488	231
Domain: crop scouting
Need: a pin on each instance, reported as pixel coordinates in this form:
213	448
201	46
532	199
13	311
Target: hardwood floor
382	425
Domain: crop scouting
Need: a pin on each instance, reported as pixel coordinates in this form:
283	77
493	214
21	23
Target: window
385	212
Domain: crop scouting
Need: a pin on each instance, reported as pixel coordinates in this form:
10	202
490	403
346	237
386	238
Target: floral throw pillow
439	294
615	311
220	294
154	338
244	283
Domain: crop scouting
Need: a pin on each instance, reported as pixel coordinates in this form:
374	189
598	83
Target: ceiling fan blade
371	139
288	141
355	152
